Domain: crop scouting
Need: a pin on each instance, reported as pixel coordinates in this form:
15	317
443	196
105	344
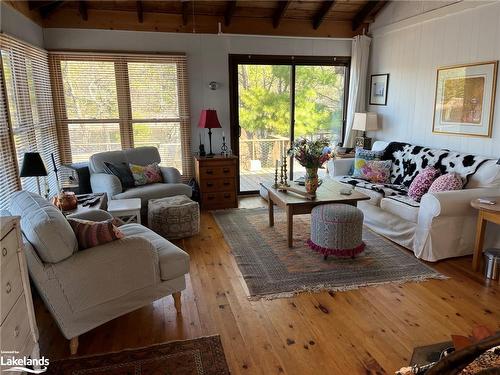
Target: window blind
26	115
107	102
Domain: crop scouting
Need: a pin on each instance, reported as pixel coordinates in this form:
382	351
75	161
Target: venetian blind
26	115
109	102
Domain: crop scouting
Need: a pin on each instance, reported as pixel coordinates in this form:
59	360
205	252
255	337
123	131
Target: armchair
103	182
84	289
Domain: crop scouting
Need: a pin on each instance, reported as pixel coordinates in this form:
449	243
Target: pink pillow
422	182
446	182
94	233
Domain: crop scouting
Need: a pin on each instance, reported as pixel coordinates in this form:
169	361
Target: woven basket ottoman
174	217
336	229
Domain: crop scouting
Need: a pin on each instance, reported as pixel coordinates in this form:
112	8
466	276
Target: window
27	120
111	102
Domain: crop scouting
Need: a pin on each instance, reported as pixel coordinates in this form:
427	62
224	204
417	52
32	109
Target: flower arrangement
310	154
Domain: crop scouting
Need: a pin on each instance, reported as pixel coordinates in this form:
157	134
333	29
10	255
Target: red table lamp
209	120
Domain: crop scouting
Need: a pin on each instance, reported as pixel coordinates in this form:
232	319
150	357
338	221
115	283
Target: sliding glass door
276	99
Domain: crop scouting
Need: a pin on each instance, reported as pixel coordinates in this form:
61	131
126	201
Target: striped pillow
92	233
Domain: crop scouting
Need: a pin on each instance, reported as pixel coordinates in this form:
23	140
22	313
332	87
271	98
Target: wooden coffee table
487	213
294	204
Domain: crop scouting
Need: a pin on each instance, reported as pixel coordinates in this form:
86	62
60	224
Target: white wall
17	25
207	58
410	41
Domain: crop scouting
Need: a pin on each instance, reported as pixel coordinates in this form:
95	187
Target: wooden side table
128	210
487	213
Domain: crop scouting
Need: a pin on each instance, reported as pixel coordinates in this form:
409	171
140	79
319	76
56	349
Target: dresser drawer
219	199
15	329
9	247
218	184
11	287
217	171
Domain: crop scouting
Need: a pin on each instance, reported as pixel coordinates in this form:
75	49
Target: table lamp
364	122
33	167
209	120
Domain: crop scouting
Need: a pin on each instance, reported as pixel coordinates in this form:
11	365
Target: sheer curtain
357	85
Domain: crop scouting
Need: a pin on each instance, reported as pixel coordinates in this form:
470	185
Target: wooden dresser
18	330
216	178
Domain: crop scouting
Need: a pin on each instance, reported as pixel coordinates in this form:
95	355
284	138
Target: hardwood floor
371	330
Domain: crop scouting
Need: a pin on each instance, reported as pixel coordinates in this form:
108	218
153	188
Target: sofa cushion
486	176
138	155
44	226
174	262
122	171
421	184
94	233
96	161
446	182
154	191
146	174
401	209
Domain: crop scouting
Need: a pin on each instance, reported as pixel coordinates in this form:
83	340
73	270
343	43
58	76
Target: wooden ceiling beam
45	8
280	12
320	16
83	10
363	14
140	12
185	12
230	9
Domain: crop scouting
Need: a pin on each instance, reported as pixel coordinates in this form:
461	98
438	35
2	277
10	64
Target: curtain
357	85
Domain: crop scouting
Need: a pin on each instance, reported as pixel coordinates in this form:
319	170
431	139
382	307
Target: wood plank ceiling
341	18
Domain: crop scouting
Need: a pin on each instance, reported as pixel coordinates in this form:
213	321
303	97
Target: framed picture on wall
379	84
465	99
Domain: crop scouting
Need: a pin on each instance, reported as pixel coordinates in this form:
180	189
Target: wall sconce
213	85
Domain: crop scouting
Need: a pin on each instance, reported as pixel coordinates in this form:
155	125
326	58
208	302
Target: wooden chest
216	178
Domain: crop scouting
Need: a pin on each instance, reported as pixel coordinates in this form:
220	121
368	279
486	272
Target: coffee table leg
289	225
270	206
478	249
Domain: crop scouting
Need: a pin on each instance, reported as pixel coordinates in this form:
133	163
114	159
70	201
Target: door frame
291	60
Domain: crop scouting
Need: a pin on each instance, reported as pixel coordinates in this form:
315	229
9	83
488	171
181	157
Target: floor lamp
33	167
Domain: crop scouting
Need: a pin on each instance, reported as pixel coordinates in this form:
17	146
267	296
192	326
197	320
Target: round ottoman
174	217
336	229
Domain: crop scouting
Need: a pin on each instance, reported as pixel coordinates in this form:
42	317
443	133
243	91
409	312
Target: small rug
272	270
201	356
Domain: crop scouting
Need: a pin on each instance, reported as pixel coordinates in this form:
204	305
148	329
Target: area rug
272	270
202	356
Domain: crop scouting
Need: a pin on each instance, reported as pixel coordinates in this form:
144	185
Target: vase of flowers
311	155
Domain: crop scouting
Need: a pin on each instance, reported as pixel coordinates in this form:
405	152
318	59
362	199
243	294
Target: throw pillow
146	174
361	157
376	171
422	182
122	171
93	233
446	182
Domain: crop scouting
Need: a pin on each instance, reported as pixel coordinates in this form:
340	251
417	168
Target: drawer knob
227	195
226	170
4	251
209	171
17	331
8	287
210	184
227	183
211	197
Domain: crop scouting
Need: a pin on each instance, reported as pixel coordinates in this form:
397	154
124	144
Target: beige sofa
442	225
84	289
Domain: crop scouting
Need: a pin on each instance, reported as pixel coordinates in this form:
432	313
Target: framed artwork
465	99
378	89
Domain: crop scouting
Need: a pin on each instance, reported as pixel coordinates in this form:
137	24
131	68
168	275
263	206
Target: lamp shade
365	121
208	119
32	165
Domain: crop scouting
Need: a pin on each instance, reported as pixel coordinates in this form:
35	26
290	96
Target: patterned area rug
272	270
202	356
